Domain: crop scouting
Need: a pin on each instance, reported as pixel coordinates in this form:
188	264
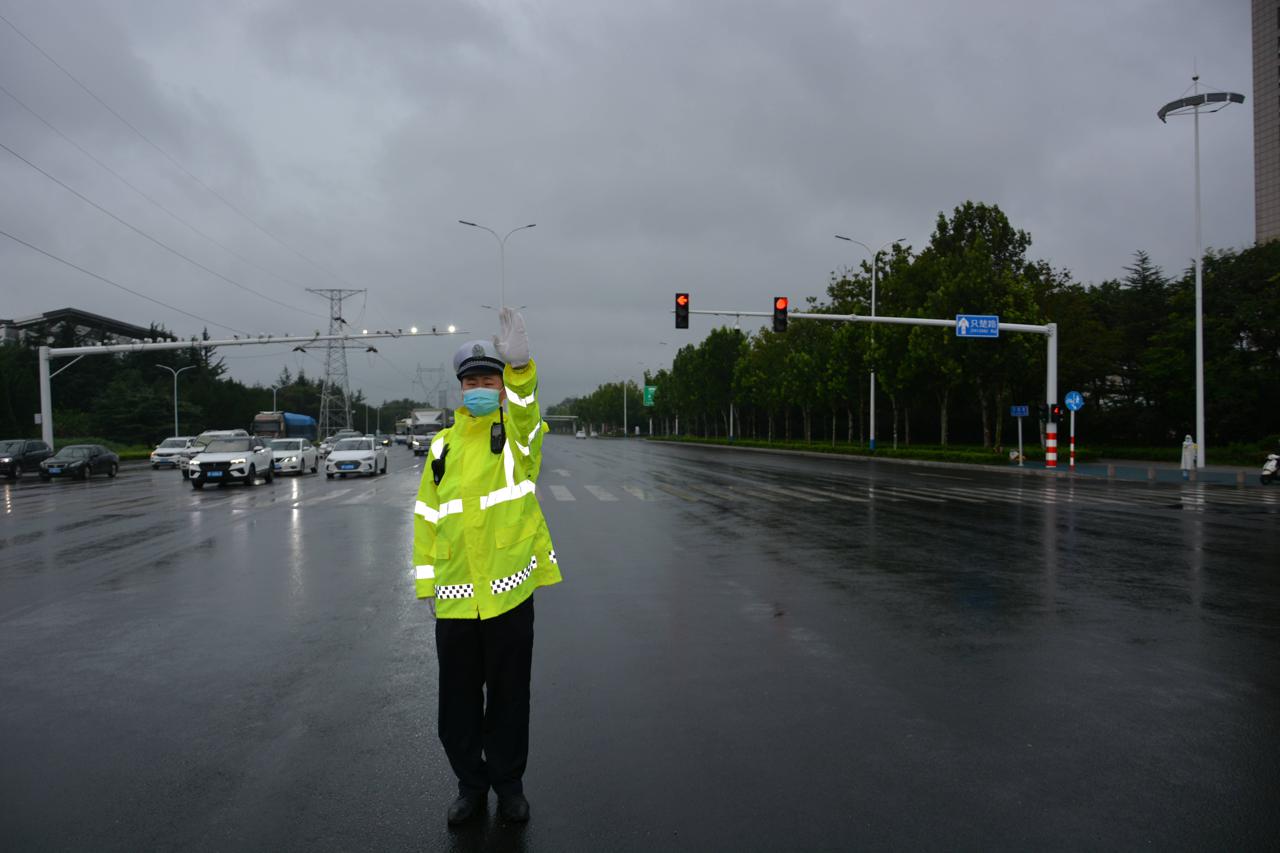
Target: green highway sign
649	391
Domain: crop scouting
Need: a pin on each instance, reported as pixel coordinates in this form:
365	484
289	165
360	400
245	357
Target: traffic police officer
480	548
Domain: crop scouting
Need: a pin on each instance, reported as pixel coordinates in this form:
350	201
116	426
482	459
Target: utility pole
335	392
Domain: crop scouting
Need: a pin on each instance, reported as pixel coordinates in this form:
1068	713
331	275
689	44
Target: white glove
512	343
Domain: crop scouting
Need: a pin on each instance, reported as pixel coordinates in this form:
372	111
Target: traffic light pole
1049	330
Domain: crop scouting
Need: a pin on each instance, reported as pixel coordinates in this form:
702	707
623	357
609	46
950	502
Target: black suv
22	454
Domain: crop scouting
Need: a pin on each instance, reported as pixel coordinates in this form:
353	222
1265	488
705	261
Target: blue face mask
480	401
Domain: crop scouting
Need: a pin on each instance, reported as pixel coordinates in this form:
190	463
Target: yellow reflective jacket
480	543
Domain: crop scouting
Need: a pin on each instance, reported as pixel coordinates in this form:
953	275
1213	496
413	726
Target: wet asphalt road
749	652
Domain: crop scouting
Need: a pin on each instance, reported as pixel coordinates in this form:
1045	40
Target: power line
103	278
147	197
144	234
165	153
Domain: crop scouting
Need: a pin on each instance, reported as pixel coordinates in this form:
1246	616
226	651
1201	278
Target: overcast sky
713	147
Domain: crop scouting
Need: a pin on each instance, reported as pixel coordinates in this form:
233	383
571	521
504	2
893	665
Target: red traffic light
682	299
682	310
779	313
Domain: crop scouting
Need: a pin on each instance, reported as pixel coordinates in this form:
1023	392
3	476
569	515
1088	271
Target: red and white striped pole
1050	443
1073	441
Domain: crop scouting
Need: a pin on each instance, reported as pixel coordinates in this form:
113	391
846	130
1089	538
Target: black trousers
487	741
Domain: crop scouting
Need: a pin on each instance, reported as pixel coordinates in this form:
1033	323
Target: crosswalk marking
639	493
562	493
601	493
562	472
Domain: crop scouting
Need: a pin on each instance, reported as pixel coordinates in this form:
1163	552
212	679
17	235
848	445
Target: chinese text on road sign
977	326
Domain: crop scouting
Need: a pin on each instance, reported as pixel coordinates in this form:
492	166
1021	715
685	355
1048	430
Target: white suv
223	460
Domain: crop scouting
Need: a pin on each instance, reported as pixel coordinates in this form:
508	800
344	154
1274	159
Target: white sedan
356	456
294	454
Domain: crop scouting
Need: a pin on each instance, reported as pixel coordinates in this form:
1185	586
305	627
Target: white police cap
476	357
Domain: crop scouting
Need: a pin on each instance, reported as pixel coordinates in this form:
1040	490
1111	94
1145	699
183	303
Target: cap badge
477	350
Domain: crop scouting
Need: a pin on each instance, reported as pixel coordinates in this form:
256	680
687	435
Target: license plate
214	474
347	466
276	466
55	470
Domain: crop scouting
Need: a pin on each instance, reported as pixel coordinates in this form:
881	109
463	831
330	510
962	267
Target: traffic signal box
682	310
779	313
1055	413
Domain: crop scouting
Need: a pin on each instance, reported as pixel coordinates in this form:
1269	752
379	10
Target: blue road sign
1074	401
977	326
1019	411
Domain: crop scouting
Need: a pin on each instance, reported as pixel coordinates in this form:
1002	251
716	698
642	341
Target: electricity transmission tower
335	392
432	382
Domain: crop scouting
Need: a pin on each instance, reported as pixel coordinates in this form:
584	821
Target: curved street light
502	251
175	393
875	265
1210	102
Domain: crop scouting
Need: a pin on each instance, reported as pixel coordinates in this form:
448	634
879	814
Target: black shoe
513	808
465	807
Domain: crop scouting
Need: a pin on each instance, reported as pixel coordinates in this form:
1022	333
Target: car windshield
174	442
227	445
286	444
75	451
10	446
354	444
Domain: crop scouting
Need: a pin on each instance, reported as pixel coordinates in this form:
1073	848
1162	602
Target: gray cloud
713	147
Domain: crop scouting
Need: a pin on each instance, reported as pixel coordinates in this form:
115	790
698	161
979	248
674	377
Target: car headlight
5	460
291	459
238	461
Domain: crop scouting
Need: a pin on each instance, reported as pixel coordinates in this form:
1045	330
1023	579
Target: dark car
80	461
22	454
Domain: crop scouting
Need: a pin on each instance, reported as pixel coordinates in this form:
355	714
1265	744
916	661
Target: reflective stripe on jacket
480	543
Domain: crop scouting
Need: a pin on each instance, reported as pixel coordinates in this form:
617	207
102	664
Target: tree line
1126	344
126	398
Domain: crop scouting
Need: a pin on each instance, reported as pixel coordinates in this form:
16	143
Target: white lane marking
792	493
840	496
639	493
951	495
917	496
672	490
938	476
562	493
601	493
332	495
562	472
724	492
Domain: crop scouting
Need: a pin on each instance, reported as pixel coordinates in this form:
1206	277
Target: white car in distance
296	455
356	456
226	460
169	452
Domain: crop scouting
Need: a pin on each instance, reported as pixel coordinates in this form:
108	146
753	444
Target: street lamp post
1214	101
875	265
175	392
274	388
502	251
